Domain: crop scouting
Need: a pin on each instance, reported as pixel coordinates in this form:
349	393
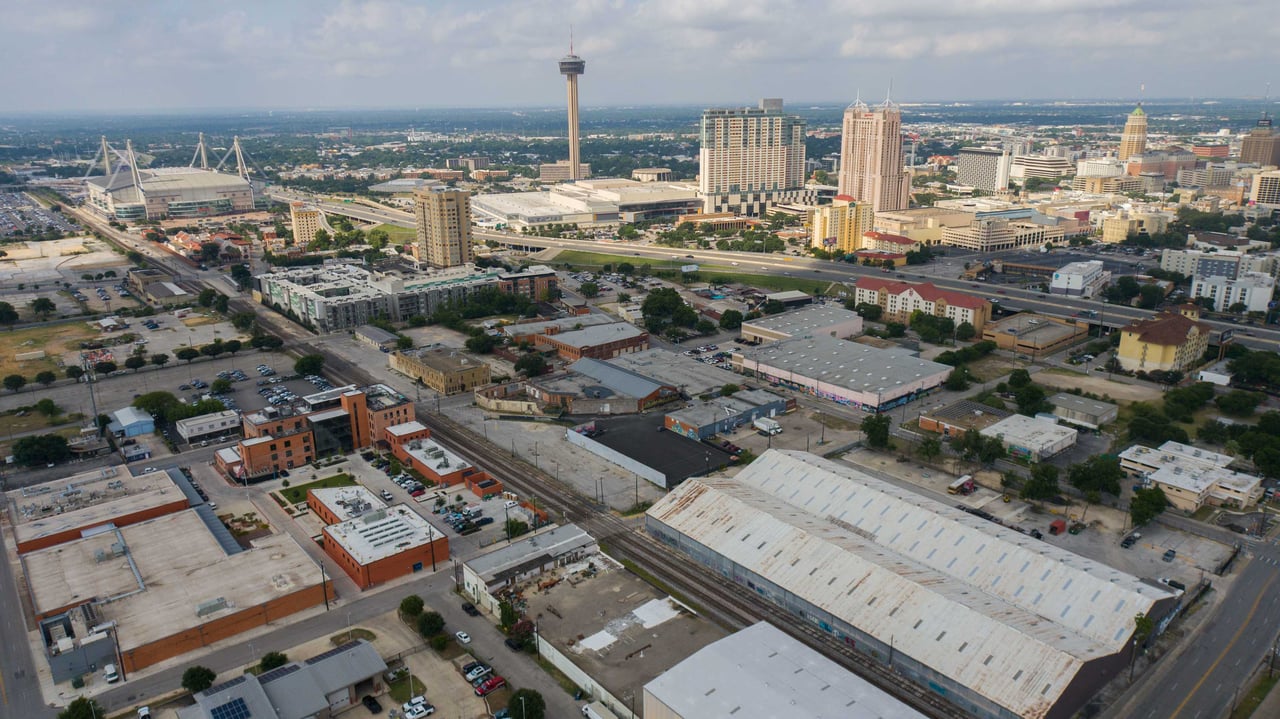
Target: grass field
54	340
398	234
719	274
297	494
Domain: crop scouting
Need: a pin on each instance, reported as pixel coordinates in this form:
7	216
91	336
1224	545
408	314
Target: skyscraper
1134	139
1262	145
444	227
751	158
984	168
571	66
306	221
871	157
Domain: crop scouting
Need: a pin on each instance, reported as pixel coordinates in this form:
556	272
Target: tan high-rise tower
444	227
1262	145
871	157
1134	140
571	66
306	222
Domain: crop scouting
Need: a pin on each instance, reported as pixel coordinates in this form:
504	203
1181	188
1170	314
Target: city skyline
375	53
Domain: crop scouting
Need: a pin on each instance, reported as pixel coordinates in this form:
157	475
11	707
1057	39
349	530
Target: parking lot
20	214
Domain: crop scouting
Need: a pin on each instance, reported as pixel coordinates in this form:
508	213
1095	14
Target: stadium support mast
200	153
106	157
133	168
241	169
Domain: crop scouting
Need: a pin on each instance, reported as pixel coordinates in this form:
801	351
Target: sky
153	55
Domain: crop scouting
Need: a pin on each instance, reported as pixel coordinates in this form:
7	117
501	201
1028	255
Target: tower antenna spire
570	38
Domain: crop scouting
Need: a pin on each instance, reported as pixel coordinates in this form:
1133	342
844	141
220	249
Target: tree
1019	378
404	342
1239	403
412	606
1043	483
83	708
135	362
74	372
1146	505
213	349
35	450
589	289
241	275
15	382
105	367
46	378
272	660
221	303
209	252
515	527
186	353
868	311
532	364
731	320
930	449
197	678
309	364
527	704
876	429
1030	399
233	346
965	332
243	320
664	308
220	385
8	315
206	297
957	380
481	344
729	389
430	624
507	616
1099	473
48	407
43	306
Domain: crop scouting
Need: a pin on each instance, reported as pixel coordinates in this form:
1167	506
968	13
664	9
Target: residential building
1168	341
562	171
1213	174
467	163
443	221
1262	145
446	371
886	242
376	337
849	373
830	320
871	168
1218	263
537	282
306	220
898	300
1080	279
953	603
751	158
1031	438
1122	225
741	673
838	227
1191	477
1045	167
1133	140
1252	290
1082	411
1266	190
994	234
955	419
984	168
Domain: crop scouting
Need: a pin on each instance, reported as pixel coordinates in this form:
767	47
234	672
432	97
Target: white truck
767	426
596	710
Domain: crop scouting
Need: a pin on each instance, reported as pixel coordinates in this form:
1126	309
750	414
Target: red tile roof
1166	329
880	254
927	290
896	239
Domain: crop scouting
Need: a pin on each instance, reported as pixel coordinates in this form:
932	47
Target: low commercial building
597	342
1219	373
1251	291
537	282
899	300
589	202
689	376
830	320
959	417
376	337
321	686
131	422
725	414
1169	341
1030	438
205	427
447	371
489	578
411	445
1035	335
1082	411
849	373
997	234
740	675
594	386
384	544
1191	477
1080	279
526	331
333	505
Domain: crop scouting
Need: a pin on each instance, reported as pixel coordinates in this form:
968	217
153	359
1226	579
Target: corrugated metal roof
620	380
1011	617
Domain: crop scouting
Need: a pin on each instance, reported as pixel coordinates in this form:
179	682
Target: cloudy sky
91	55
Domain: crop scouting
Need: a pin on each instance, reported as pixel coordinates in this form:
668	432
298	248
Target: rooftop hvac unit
119	549
101	556
204	609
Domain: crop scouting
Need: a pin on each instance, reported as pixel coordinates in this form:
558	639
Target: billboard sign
688	268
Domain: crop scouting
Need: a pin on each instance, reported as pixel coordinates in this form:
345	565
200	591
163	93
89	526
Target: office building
1262	145
1218	263
838	227
1266	190
984	168
871	167
1080	279
1133	140
1031	438
994	234
446	371
443	220
537	282
1045	167
1108	185
752	158
306	222
1164	165
1251	290
1191	477
571	66
1168	341
562	171
956	604
1119	227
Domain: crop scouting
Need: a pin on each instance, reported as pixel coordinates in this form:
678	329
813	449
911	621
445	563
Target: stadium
132	193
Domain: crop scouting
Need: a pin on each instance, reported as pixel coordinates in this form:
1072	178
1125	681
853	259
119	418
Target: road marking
1243	625
4	693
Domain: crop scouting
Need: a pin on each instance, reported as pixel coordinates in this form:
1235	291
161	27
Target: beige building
871	157
751	158
1118	228
560	171
1262	145
1133	141
1110	185
922	224
1168	341
1266	189
838	227
1191	477
993	234
446	371
444	227
306	222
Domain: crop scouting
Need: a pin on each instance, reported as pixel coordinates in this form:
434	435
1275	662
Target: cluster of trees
938	330
964	355
39	449
1255	442
1259	369
167	408
663	310
1124	290
15	382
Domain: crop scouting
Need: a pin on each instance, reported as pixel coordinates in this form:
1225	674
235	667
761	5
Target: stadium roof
1013	618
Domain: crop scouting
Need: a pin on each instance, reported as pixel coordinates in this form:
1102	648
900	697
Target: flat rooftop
511	558
443	360
617	628
1199	478
348	502
676	457
437	458
562	324
1036	330
382	533
847	364
1029	431
1076	403
809	319
404	428
967	414
1173	453
182	567
86	500
598	334
689	375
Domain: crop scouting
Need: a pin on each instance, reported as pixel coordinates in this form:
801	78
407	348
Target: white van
110	674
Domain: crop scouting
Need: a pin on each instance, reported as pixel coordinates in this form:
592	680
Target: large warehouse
169	192
1001	624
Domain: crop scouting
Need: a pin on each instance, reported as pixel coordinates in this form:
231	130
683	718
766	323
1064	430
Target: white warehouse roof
1013	618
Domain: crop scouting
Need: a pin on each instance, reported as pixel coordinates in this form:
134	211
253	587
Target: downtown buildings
443	219
751	159
871	157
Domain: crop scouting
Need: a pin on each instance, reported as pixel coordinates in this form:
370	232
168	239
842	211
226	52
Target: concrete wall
643	470
548	651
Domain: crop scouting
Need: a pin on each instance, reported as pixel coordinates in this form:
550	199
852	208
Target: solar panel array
234	709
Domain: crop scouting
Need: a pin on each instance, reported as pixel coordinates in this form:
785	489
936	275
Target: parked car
371	704
477	672
490	685
513	645
1169	555
464	638
470	609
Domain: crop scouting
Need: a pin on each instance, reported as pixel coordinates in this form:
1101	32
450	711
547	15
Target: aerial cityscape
402	359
